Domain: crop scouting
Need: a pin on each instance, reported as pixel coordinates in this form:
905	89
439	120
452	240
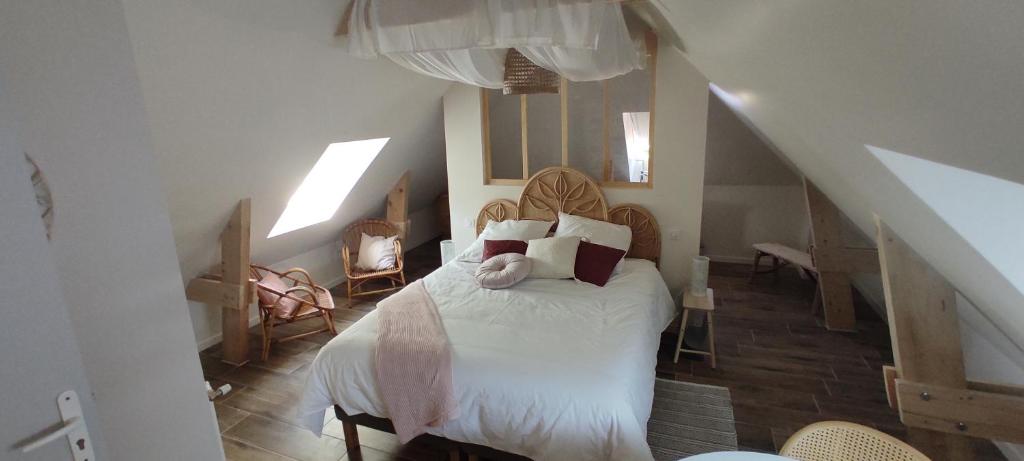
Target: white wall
243	97
72	81
675	200
736	217
750	195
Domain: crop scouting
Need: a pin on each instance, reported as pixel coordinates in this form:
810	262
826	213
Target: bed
547	369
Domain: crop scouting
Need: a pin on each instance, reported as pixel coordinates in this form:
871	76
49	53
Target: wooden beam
890	374
219	293
234	251
833	282
925	332
923	321
398	206
849	260
345	18
961	411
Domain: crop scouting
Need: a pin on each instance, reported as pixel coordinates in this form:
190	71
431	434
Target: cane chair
280	304
842	441
357	276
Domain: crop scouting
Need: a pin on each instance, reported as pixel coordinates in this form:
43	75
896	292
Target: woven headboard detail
572	192
497	210
646	243
558	189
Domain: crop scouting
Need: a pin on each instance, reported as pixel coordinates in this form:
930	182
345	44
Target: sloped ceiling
938	80
244	96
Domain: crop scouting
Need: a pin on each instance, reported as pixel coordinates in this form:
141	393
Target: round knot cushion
503	271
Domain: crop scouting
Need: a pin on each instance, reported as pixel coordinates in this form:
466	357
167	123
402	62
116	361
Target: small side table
704	303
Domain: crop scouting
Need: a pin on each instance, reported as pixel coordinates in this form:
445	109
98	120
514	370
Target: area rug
689	419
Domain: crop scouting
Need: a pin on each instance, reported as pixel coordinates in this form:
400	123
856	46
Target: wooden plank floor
784	371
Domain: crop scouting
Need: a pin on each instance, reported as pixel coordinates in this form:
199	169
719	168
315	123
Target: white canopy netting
466	40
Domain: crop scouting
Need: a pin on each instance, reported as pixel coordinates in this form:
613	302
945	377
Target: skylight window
984	210
327	184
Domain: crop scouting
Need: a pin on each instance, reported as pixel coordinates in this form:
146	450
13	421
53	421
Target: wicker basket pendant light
522	76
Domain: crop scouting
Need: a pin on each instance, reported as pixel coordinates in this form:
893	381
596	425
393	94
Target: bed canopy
467	40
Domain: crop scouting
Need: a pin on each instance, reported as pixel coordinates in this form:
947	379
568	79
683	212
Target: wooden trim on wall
524	130
485	117
563	94
505	182
605	133
651	40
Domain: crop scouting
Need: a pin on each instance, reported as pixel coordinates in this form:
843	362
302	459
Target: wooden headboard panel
557	189
498	211
646	243
563	189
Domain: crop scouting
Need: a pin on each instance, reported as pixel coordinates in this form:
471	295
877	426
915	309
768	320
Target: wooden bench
781	255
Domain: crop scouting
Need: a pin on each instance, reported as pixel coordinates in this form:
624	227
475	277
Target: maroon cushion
497	247
595	263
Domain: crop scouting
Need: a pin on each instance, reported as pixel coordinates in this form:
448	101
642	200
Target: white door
39	357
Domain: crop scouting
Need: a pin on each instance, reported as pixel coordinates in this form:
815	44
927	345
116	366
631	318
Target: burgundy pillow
496	247
595	263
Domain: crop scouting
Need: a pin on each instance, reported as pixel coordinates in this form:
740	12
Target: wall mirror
602	128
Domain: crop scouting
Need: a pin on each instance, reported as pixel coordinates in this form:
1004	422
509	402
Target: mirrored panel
629	127
503	135
543	131
586	127
600	128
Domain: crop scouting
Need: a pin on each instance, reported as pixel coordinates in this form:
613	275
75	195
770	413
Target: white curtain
637	126
466	40
616	53
479	67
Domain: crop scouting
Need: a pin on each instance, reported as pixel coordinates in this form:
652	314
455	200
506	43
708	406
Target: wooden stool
704	303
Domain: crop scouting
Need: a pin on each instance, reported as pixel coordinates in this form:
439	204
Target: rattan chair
843	441
313	301
350	254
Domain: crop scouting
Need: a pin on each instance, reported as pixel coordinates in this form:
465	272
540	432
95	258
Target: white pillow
600	232
553	258
523	229
376	252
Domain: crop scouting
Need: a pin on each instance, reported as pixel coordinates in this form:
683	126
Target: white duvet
548	369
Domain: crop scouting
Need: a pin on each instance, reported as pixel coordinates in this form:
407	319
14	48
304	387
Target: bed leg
351	437
453	455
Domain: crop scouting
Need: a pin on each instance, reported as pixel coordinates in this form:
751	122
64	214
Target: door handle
69	426
73	429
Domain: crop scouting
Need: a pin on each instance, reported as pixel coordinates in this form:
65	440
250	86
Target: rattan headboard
560	189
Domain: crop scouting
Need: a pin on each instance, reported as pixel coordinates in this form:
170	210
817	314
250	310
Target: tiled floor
784	371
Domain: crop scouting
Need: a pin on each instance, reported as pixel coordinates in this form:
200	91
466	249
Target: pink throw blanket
414	362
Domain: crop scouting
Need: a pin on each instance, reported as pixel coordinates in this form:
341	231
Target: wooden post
925	332
826	236
398	206
234	250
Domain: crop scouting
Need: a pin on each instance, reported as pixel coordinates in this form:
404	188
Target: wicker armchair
310	301
842	441
350	254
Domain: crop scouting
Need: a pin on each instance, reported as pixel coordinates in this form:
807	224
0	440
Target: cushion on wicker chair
376	252
282	309
503	271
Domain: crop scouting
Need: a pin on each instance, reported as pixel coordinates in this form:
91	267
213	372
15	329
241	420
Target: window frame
605	181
